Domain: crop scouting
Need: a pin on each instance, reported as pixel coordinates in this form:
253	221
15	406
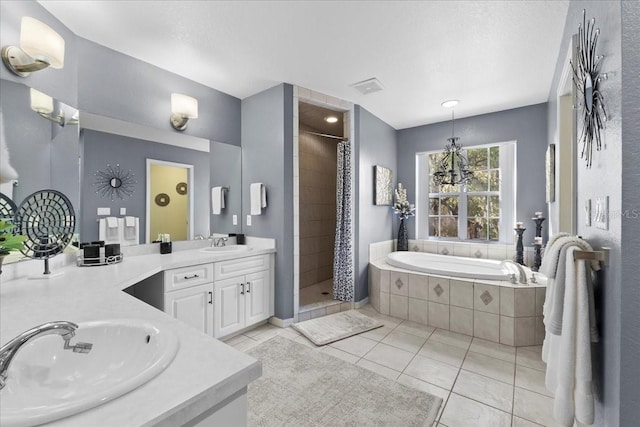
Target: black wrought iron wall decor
114	182
181	188
162	199
587	79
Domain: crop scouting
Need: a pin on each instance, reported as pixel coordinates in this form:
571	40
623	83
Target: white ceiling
492	55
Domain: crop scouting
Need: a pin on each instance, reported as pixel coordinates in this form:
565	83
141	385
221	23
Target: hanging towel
217	200
107	233
112	222
130	221
130	230
258	194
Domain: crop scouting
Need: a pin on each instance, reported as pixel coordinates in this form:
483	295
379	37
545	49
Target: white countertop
204	372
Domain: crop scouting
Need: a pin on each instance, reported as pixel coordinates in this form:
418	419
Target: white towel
130	234
130	221
112	222
217	200
109	234
258	194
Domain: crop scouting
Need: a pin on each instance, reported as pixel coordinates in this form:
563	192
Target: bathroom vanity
206	380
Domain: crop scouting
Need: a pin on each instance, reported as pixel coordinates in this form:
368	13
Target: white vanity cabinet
188	296
242	293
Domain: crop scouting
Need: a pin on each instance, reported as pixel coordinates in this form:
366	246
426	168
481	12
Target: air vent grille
366	87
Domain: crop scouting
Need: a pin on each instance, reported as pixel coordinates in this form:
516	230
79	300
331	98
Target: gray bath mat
301	386
327	329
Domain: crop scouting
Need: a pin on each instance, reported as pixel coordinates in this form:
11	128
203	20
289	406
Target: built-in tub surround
493	310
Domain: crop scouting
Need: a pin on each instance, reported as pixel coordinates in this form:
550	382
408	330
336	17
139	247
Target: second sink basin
46	382
226	249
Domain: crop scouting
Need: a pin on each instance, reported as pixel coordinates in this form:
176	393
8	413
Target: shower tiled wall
317	160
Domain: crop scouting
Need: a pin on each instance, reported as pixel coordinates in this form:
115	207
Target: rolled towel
112	222
217	200
258	195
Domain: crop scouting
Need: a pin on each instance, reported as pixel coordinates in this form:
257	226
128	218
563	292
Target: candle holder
519	247
539	220
537	259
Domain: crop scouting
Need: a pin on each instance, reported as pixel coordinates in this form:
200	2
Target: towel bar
602	255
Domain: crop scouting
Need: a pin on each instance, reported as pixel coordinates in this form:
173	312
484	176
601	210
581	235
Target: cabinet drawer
241	266
180	278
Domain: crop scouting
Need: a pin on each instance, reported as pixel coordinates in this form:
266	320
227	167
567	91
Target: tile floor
481	383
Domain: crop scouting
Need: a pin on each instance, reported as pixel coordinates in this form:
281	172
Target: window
481	210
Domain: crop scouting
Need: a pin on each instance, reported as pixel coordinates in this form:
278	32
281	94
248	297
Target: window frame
507	194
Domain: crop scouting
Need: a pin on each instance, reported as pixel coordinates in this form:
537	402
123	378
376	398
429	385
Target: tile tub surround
180	393
494	311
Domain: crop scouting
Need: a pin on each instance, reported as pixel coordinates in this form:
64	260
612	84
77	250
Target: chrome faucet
522	279
65	329
219	241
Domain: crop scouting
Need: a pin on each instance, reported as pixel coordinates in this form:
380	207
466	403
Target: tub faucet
65	329
522	279
219	241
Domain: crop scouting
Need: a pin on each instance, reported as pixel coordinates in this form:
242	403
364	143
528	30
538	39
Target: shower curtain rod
327	135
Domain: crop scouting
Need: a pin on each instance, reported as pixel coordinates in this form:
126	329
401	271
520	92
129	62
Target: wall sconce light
183	108
42	104
40	47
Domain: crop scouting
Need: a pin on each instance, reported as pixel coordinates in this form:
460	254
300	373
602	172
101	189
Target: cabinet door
193	306
257	288
228	306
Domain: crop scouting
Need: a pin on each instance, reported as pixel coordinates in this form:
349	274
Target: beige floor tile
305	341
385	320
485	390
377	334
490	367
404	341
390	356
235	340
531	358
532	380
246	345
490	348
451	338
432	371
463	412
378	369
449	354
521	422
533	407
261	329
410	381
343	355
356	345
414	328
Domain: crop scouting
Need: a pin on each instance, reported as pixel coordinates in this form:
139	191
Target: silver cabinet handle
242	288
248	287
191	277
210	297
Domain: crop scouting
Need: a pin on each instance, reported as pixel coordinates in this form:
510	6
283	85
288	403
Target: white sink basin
226	249
46	382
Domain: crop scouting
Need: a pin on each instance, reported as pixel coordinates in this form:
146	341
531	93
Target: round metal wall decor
114	182
181	188
7	207
48	220
162	199
587	79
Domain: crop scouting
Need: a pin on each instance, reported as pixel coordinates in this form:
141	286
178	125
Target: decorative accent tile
486	297
444	251
477	253
438	289
415	248
398	283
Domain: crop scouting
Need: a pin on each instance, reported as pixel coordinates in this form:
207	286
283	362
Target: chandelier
453	167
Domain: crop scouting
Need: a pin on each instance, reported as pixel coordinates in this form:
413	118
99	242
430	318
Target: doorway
169	200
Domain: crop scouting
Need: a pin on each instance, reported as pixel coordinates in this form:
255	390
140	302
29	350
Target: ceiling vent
366	87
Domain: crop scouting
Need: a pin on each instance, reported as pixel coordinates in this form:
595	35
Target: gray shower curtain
343	250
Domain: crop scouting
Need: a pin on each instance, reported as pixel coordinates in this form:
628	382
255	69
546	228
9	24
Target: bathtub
469	268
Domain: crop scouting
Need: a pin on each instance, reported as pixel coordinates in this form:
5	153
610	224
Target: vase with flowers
404	210
8	241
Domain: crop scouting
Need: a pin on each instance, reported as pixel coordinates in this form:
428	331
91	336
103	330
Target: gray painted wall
226	171
267	157
377	144
526	125
101	149
630	291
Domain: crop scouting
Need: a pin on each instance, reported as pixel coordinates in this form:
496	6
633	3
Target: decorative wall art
383	187
114	182
181	188
587	80
550	169
162	199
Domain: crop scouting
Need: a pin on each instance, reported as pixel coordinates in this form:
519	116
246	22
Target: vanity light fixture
183	108
40	47
453	167
331	119
43	104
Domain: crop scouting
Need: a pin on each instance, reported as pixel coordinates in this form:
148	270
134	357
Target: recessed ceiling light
450	103
331	119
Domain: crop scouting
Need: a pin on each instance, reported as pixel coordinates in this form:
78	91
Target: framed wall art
383	186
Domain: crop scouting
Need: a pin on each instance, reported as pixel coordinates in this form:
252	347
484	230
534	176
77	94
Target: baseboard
362	303
281	323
